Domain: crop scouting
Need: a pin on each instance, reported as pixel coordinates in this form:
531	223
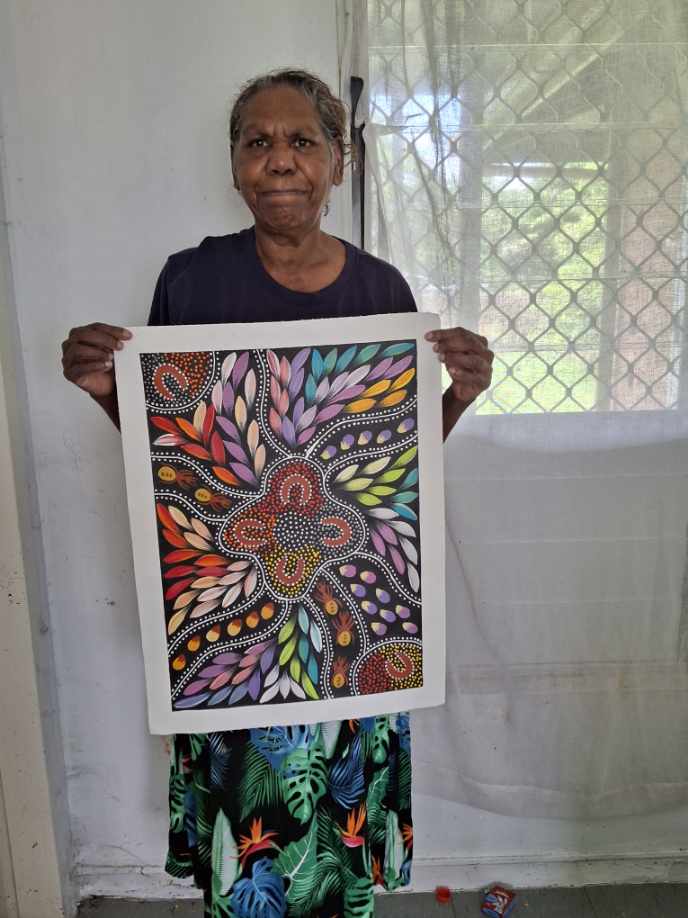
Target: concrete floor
655	901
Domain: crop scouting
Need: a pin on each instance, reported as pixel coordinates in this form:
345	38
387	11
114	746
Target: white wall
114	134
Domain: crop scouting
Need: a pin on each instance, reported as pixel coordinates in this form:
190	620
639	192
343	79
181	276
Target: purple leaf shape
211	671
254	685
295	383
191	702
238	693
239	369
266	659
228	427
380	546
235	450
357	375
228	397
397	560
306	418
338	383
288	432
220	695
243	472
257	649
298	411
400	365
227	657
349	393
197	686
300	359
387	533
327	413
381	369
305	435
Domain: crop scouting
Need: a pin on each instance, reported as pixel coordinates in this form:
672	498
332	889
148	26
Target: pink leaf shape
220	680
400	365
380	546
307	417
305	435
273	363
283	403
300	359
193	688
349	393
387	533
285	371
397	560
275	421
243	472
275	390
330	412
381	369
242	676
240	368
298	411
168	440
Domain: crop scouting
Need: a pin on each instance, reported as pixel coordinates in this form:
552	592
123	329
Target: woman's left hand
467	358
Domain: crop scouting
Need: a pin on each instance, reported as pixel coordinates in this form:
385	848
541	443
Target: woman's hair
332	112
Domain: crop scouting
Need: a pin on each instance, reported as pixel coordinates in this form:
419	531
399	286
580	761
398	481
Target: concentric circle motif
286	494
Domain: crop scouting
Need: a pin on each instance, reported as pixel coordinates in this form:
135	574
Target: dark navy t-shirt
223	280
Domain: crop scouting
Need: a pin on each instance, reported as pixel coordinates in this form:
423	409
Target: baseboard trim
524	872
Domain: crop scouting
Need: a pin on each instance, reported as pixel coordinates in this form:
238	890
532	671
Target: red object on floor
498	902
443	894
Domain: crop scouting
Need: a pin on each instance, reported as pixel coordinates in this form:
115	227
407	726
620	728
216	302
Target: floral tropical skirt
293	821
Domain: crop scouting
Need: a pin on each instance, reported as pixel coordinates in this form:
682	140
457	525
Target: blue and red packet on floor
498	902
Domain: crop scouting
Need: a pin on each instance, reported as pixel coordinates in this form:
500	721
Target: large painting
285	495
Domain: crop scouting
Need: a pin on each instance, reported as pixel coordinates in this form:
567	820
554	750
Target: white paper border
141	502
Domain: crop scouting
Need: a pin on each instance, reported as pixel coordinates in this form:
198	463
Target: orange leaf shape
393	398
377	388
208	422
174	538
403	380
188	429
360	405
211	561
193	449
164	424
175	557
225	475
216	448
165	518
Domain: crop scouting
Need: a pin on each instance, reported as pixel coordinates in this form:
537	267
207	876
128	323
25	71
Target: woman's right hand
87	359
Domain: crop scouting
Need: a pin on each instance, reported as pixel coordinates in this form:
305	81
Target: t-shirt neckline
301	295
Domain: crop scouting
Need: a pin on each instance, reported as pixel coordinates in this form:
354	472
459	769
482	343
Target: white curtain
527	172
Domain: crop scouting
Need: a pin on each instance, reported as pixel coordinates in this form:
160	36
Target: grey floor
656	901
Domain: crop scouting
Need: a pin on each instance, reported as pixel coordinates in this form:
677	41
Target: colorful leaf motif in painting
286	487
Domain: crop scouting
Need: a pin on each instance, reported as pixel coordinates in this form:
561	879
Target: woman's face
284	166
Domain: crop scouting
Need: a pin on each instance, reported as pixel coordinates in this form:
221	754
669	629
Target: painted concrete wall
114	131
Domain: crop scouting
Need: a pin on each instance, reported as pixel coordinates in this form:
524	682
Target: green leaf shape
304	781
261	785
206	810
357	484
394	849
346	473
366	353
312	669
404	779
295	669
225	857
395	349
376	742
368	500
286	631
329	362
405	457
177	794
406	497
308	687
197	743
358	897
310	390
298	863
287	651
381	490
377	812
391	475
372	468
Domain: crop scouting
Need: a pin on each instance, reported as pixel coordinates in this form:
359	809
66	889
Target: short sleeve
160	307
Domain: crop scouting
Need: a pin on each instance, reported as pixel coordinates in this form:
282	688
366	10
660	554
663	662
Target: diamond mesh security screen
530	179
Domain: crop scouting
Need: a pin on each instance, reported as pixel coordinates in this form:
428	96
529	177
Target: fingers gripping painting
288	517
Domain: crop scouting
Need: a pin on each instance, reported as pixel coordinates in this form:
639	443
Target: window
530	179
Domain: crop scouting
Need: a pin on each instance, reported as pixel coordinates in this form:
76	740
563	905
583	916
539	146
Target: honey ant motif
186	480
344	627
340	670
324	595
